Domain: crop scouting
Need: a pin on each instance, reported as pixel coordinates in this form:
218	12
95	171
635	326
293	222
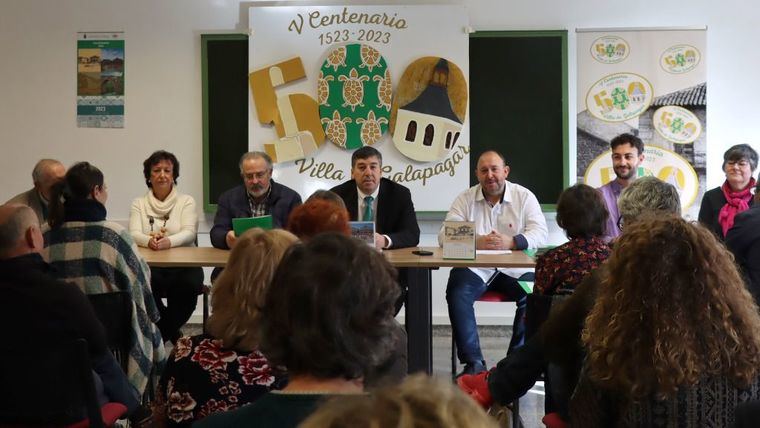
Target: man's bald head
19	231
45	174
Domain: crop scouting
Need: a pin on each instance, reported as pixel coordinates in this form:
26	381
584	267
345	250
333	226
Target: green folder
240	225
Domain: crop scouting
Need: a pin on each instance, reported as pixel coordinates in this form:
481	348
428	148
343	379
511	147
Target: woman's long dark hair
79	183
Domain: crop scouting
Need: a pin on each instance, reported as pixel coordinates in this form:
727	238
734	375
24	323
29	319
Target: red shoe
476	386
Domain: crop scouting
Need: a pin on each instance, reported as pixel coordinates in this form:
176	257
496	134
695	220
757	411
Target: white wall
163	82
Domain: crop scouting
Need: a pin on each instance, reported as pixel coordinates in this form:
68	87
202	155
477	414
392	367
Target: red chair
497	297
488	296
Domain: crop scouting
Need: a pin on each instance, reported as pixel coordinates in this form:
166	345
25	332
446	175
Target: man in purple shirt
627	154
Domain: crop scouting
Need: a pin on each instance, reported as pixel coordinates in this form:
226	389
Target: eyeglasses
740	163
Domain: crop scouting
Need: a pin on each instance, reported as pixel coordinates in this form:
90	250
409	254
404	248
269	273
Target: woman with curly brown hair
674	336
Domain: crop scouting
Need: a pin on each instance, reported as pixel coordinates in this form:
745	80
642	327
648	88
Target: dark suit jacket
712	201
234	204
744	241
395	215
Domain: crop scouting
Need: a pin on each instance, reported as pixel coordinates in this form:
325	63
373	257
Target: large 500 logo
619	97
354	108
661	163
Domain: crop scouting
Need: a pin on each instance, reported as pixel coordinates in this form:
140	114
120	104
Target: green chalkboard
225	112
518	106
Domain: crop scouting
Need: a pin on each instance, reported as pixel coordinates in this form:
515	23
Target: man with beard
258	196
507	216
627	155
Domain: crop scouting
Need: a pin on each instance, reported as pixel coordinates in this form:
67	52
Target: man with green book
258	196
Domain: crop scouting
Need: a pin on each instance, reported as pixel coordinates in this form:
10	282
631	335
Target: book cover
459	240
240	225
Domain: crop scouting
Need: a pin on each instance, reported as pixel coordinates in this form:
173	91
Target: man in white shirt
507	216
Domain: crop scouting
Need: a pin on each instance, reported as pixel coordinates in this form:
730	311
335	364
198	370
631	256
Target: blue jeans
463	289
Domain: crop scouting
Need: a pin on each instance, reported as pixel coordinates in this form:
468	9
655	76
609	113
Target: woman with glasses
722	204
161	219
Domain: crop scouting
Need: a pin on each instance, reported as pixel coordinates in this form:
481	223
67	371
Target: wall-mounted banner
100	80
651	83
351	59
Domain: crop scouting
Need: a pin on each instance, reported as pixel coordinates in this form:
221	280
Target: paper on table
494	251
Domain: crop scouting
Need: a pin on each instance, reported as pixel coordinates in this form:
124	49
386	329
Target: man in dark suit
369	197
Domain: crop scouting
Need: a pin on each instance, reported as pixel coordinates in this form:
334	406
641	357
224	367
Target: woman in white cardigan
161	219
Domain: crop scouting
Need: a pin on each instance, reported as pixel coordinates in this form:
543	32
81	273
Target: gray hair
740	152
255	155
41	167
648	194
19	219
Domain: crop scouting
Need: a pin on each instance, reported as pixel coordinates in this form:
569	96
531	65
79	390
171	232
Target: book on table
459	240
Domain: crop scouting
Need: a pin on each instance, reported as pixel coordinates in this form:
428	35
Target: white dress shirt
518	215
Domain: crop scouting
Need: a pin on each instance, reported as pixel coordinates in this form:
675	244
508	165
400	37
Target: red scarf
736	202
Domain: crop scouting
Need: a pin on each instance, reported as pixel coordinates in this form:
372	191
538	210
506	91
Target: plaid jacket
101	257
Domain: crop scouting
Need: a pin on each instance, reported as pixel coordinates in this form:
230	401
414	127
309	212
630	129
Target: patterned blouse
202	377
560	270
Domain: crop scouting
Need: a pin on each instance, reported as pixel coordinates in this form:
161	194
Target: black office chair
51	386
114	310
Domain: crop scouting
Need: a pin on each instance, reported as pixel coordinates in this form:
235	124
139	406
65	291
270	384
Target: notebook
240	225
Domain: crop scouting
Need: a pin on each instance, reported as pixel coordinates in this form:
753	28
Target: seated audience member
419	402
558	338
322	214
258	196
317	216
162	219
507	216
673	338
45	174
224	369
327	195
583	216
100	256
328	319
743	239
721	204
45	310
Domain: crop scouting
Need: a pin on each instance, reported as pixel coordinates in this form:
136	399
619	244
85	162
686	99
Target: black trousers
180	287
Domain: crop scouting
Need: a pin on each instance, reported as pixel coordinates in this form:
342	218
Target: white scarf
158	209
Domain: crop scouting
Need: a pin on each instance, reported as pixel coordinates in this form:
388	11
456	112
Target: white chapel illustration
427	128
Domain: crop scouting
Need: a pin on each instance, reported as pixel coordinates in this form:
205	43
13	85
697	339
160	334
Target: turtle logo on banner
680	59
619	97
429	109
354	94
610	49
